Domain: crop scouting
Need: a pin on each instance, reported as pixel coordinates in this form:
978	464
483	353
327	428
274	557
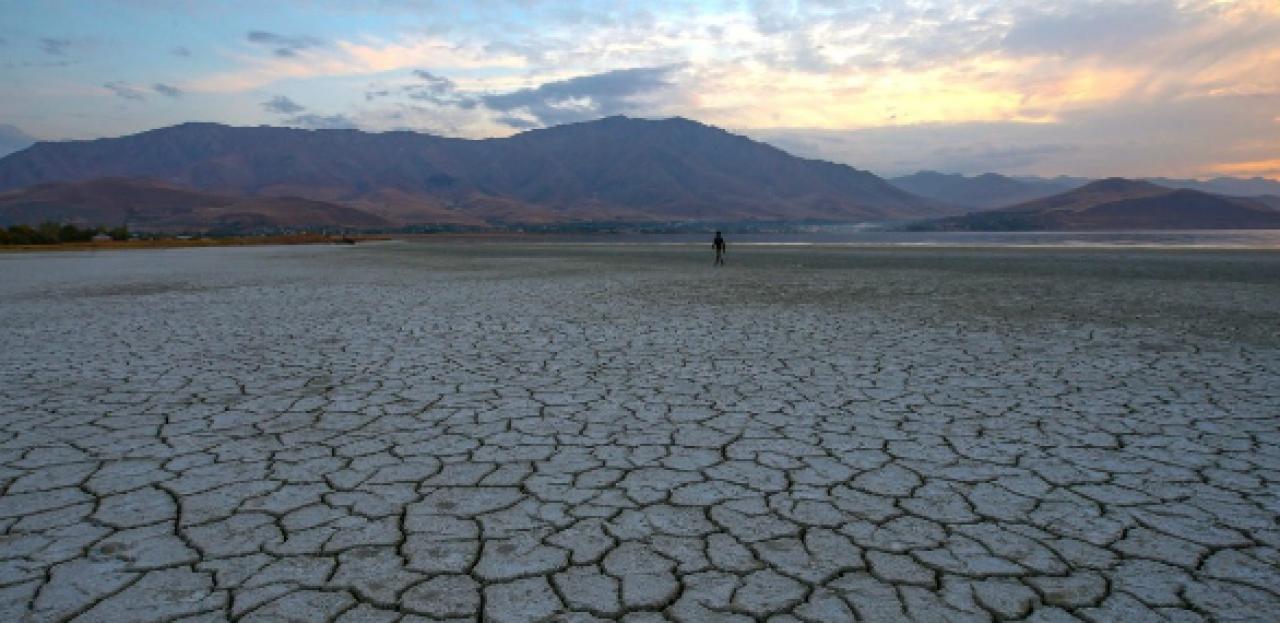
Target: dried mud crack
414	432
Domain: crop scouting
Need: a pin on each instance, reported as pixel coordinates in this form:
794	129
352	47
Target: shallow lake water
861	236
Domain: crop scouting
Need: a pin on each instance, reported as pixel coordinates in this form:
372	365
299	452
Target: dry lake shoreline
451	430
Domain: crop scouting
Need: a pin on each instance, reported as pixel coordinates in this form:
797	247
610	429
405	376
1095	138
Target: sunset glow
1107	83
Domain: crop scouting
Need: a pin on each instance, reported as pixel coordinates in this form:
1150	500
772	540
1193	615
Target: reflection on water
851	236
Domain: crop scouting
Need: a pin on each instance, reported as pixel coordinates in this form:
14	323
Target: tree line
54	233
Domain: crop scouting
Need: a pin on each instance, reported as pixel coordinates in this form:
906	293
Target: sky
1187	88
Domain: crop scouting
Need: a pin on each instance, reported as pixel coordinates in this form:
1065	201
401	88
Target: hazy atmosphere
1185	88
402	311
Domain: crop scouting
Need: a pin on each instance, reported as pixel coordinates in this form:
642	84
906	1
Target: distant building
101	237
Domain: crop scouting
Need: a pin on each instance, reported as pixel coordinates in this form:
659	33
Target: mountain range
1120	204
989	190
992	190
147	205
611	169
207	176
13	139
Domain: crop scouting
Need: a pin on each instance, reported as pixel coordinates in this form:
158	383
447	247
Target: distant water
853	236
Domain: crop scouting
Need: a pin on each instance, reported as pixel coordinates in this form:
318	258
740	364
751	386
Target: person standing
719	246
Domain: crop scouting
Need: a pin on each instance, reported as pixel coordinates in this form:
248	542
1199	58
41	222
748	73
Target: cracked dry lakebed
420	431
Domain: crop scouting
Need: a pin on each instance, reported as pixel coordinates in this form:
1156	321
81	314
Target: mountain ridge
148	205
616	168
995	190
987	190
1118	204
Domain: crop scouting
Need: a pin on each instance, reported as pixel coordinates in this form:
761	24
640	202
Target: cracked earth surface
410	432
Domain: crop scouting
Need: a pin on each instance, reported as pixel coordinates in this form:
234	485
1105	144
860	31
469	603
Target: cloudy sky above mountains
1150	87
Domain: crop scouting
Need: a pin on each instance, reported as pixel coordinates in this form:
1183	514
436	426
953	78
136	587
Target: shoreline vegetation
57	237
51	236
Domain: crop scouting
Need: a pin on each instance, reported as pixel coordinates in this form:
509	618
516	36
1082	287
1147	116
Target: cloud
428	87
54	46
517	122
576	99
553	102
1133	139
321	122
964	84
13	139
1269	167
824	37
1090	28
436	87
283	45
166	90
347	58
426	117
998	157
282	105
969	148
124	90
180	51
414	51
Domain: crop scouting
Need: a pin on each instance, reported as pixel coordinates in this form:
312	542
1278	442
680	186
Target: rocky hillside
616	168
1119	204
155	206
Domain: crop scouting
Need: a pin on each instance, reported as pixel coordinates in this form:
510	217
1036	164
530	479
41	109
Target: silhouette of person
719	246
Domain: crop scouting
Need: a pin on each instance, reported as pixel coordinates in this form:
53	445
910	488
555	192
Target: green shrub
20	234
50	233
